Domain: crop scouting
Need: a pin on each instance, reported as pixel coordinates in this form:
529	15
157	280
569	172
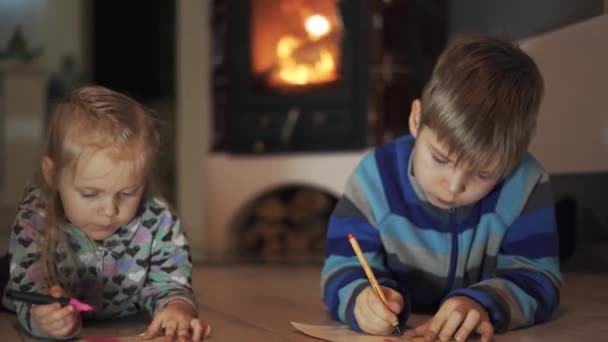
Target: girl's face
101	194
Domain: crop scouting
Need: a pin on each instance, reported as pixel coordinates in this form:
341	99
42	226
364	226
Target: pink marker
37	298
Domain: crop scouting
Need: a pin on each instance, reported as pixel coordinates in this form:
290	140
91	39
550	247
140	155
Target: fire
317	26
306	60
295	43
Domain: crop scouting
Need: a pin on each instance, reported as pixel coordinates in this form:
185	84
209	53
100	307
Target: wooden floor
257	303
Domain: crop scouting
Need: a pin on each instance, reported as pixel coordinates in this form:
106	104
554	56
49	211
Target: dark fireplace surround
257	118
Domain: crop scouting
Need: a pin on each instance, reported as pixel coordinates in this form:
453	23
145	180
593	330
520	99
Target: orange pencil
371	277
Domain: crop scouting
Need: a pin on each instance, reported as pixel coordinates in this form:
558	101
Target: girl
91	226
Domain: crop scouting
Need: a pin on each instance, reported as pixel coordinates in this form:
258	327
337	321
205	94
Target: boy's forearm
341	303
342	274
356	213
516	298
343	277
525	286
342	306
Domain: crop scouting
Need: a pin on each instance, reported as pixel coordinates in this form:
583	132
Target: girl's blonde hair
91	118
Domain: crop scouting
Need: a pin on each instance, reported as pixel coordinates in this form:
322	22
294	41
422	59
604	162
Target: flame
317	26
306	60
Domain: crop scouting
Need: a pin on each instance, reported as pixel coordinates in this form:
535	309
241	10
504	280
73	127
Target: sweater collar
444	214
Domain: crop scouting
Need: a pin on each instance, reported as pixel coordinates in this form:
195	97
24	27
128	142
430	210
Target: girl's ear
414	121
47	170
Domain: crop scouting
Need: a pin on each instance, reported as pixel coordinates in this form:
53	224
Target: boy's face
100	195
445	185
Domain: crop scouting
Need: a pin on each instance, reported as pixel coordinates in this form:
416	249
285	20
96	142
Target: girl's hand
179	322
456	319
372	315
54	320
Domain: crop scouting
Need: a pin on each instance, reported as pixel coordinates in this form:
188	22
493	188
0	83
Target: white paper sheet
342	333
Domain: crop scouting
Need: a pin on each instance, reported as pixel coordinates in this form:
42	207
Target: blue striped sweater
501	251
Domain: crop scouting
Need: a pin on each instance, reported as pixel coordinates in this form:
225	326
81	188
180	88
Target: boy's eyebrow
436	151
492	171
489	170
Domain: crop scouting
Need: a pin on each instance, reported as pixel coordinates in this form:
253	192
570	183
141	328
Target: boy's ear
47	170
414	120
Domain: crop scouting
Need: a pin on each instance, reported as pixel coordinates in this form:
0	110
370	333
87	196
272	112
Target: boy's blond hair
482	101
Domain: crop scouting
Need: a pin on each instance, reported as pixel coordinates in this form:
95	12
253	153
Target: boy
456	217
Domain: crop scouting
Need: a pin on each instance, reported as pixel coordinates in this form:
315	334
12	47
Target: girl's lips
104	228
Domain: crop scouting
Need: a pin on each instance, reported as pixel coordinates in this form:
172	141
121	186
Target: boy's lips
444	203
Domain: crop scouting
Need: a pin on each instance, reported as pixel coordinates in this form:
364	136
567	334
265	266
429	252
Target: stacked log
287	224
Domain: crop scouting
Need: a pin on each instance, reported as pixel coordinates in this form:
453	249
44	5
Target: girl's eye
439	160
126	194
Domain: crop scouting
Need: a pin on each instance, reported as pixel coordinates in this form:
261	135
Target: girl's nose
109	208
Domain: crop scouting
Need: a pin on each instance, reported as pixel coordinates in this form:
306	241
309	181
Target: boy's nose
458	182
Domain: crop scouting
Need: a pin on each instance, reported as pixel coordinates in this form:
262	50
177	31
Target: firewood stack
288	224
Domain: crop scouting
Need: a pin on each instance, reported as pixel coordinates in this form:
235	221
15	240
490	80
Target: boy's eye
484	175
88	194
439	160
127	194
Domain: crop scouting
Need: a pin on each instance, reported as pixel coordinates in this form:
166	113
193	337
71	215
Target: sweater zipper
99	253
454	252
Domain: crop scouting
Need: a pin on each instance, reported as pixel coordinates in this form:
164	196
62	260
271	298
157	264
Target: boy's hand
179	322
372	315
456	319
56	321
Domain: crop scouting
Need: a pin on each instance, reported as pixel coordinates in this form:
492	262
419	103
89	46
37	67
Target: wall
572	134
56	26
22	108
517	19
193	116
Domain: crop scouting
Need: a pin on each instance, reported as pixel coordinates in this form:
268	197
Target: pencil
372	278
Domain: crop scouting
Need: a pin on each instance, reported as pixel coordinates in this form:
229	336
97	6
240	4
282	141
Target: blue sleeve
524	288
357	213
